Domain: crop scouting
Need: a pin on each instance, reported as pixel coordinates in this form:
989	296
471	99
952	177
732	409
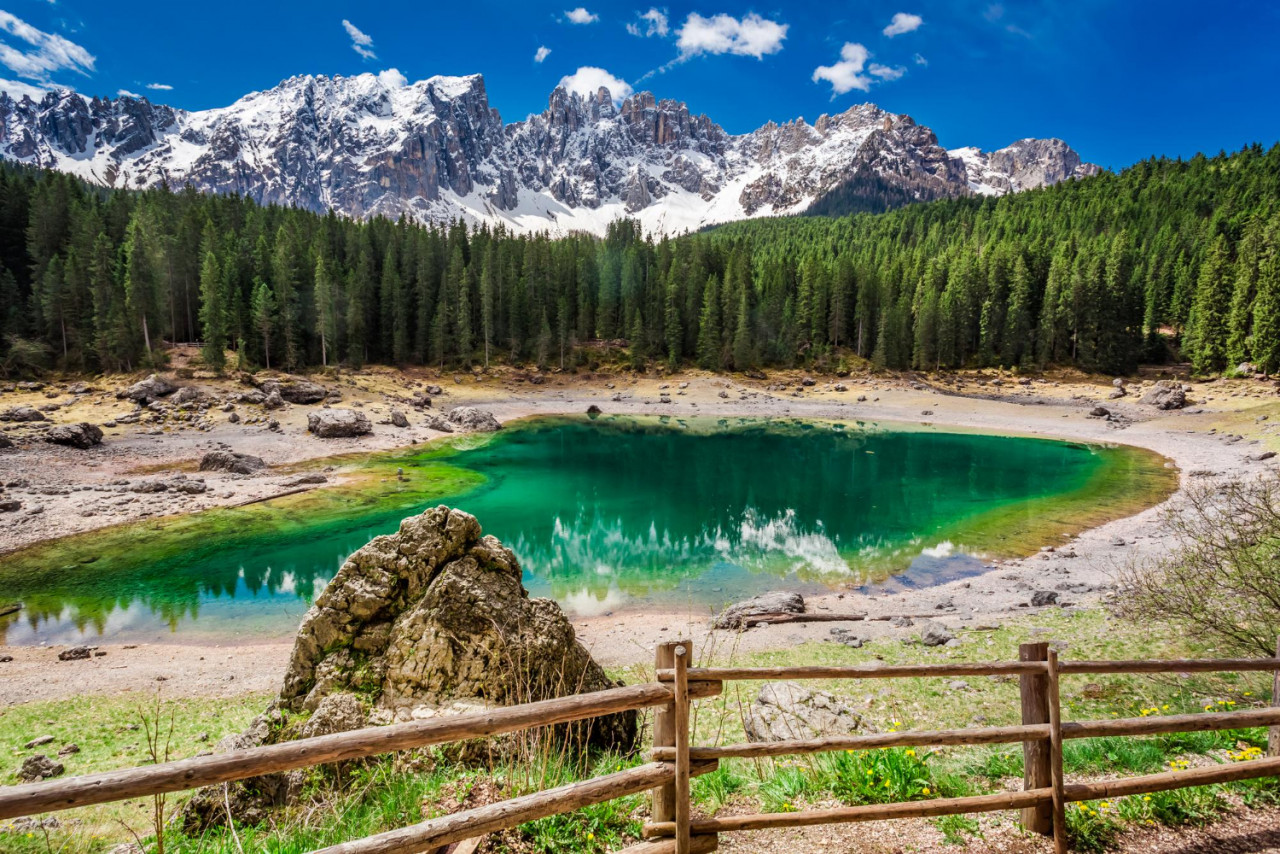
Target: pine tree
264	316
1206	339
213	313
709	341
325	294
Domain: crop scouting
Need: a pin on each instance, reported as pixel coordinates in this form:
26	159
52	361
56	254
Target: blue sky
1117	80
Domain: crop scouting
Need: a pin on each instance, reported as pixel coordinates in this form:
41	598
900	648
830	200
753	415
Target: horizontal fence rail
234	765
675	761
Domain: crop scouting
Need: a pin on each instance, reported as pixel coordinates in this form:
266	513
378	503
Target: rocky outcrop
788	710
432	620
777	602
146	391
231	462
82	435
338	423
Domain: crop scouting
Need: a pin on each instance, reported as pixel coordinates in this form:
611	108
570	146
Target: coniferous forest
1166	259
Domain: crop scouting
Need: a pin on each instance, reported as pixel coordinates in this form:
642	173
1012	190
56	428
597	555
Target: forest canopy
1168	257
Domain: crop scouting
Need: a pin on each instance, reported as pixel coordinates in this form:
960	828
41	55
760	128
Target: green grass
386	795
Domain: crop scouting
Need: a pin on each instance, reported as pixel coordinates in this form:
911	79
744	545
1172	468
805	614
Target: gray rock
593	410
473	420
340	712
22	414
439	423
1099	412
1165	395
1043	598
39	767
76	653
935	634
230	461
82	435
398	418
338	423
434	390
302	392
5	441
739	616
788	710
307	479
902	622
10	505
148	390
187	395
273	400
39	741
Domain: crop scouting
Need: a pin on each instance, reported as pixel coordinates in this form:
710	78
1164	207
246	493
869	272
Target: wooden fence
675	761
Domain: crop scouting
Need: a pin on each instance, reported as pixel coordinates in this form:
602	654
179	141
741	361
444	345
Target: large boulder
1165	395
21	414
427	622
302	392
151	389
338	423
739	616
473	420
788	710
229	461
82	435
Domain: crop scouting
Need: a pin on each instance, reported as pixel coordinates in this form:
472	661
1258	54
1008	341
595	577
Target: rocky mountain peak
436	150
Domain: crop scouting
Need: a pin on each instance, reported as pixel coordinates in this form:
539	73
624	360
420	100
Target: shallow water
604	514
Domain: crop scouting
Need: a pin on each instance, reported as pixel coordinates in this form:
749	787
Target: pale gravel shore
200	666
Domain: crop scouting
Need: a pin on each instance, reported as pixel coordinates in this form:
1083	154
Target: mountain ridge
435	150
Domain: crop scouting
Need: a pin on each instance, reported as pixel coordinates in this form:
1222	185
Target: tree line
1169	258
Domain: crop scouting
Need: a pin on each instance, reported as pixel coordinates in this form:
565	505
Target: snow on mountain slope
435	151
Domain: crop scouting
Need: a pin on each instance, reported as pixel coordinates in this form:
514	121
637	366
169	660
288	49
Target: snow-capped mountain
435	150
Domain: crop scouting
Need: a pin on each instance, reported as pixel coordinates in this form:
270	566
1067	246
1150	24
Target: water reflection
602	514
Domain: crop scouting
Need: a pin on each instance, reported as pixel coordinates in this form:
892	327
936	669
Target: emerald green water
603	514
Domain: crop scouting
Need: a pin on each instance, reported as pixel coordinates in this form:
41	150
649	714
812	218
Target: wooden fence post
664	735
683	803
1054	699
1273	738
1036	755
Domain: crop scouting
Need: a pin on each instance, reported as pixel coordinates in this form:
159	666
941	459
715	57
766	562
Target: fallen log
811	617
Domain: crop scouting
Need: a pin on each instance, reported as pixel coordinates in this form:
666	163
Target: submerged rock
338	423
430	621
739	616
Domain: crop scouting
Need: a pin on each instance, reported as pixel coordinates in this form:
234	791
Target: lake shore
68	487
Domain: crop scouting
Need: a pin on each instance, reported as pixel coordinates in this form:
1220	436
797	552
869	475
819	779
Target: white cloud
885	72
125	93
846	74
920	60
903	22
581	16
161	87
44	53
542	54
587	79
392	79
17	89
652	23
751	35
360	42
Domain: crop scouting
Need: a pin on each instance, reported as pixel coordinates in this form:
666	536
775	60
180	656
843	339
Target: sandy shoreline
74	492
